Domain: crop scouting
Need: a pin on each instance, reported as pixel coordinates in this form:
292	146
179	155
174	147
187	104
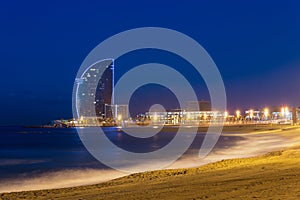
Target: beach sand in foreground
274	175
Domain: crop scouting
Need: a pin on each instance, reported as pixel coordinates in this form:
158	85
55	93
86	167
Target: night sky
255	44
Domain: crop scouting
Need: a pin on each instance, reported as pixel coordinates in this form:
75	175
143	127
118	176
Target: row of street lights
266	113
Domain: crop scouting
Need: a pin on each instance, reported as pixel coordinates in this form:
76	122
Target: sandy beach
270	172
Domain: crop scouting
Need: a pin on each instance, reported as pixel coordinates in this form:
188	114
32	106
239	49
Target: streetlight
238	113
225	114
282	111
287	112
266	112
205	116
119	117
286	109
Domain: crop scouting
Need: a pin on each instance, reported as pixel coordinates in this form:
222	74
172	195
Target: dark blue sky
255	44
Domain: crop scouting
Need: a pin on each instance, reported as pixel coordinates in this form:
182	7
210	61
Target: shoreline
111	182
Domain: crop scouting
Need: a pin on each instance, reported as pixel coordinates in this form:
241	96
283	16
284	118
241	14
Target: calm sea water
28	152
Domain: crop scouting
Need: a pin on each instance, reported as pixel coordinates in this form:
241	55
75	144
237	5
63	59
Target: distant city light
266	112
225	114
286	110
188	115
282	111
119	117
238	113
251	113
155	117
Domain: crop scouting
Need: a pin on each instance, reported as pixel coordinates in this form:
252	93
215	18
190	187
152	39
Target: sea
46	158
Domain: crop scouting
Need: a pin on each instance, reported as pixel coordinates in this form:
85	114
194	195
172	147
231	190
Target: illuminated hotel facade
94	92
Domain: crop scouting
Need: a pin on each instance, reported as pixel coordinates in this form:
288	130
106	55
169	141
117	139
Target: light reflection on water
30	156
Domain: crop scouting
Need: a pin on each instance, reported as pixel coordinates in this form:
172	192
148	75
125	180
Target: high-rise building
95	91
104	94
